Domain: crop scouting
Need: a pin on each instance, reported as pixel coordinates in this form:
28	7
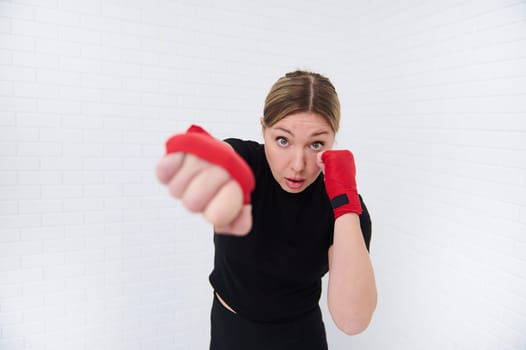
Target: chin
294	191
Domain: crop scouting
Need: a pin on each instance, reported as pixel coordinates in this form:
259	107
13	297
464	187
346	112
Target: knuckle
174	189
192	203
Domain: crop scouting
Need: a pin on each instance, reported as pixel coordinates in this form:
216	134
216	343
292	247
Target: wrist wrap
201	144
340	182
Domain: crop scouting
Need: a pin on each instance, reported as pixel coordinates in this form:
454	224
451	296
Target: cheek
275	159
313	164
280	162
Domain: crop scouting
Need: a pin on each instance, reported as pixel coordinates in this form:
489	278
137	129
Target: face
292	146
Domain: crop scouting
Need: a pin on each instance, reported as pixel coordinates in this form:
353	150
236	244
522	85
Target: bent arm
352	294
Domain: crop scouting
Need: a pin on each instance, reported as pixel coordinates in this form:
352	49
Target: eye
317	146
282	141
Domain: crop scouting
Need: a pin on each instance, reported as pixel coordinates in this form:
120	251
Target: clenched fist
207	187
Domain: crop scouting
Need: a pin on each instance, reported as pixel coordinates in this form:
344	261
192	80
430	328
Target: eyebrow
318	133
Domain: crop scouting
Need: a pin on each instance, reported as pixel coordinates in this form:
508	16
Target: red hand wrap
340	182
200	143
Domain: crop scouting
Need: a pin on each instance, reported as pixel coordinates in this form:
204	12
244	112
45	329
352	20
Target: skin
207	189
293	147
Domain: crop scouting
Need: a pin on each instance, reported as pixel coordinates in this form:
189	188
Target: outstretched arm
210	178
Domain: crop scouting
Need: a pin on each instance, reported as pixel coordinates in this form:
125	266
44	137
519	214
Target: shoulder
240	145
250	151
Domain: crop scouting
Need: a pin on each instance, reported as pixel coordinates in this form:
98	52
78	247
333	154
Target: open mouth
294	183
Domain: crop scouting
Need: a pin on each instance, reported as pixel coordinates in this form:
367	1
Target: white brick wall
93	253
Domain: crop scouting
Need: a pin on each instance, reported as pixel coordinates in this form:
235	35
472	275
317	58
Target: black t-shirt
274	273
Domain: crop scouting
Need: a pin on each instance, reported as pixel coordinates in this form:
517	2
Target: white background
95	255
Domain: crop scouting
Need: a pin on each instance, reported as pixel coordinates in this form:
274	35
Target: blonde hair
302	91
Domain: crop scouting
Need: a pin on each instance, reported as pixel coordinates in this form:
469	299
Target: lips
294	183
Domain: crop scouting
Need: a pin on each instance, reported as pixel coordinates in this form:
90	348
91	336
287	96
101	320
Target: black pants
229	331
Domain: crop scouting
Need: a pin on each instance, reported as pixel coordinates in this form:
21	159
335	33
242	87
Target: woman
277	237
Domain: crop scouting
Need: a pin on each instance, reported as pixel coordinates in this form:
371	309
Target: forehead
303	122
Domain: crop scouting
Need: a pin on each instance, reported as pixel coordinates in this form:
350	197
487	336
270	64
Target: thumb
319	161
240	226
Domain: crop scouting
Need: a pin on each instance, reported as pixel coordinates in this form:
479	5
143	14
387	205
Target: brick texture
95	255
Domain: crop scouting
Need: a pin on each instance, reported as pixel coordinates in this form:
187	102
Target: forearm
351	293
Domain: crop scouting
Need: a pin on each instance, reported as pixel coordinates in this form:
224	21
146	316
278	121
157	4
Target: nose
298	160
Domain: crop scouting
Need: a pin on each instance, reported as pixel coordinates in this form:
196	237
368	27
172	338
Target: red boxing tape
340	182
200	143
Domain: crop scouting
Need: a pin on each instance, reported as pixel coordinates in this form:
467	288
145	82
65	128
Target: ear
262	122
